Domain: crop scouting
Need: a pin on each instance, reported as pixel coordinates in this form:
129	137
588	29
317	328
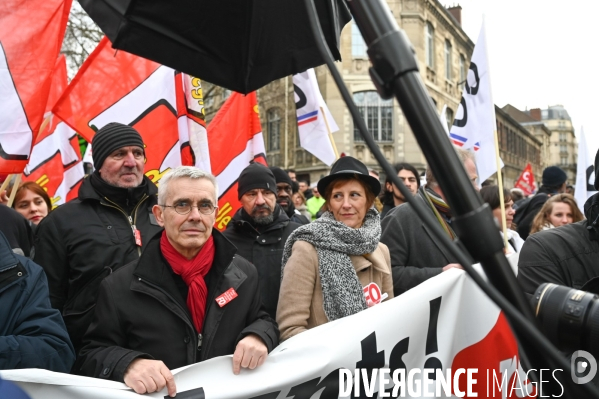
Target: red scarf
192	271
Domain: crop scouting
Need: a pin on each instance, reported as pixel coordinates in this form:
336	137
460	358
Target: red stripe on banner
307	121
458	143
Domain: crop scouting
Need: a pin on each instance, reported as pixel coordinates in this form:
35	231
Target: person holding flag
106	227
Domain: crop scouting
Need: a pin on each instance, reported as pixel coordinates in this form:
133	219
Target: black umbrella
238	44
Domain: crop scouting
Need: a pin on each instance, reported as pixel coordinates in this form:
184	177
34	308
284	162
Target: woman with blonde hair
328	263
559	210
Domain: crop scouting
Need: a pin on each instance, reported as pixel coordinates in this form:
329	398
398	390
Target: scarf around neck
192	271
334	243
439	208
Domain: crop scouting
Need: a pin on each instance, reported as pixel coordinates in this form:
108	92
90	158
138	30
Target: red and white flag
31	34
234	140
526	181
314	121
55	162
115	86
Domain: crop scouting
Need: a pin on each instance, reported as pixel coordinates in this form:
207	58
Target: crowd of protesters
130	280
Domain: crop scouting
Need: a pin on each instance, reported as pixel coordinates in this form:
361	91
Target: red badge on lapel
226	297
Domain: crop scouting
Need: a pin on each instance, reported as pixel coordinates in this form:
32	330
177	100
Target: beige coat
300	300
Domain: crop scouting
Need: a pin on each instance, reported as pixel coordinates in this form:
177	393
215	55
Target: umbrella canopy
238	44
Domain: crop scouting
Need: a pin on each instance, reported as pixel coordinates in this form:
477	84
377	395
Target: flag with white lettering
55	162
115	86
474	124
234	140
31	34
526	181
585	171
314	120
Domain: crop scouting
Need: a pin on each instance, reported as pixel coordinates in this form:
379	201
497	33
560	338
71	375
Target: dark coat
32	333
83	241
415	255
564	255
264	249
142	313
17	230
526	213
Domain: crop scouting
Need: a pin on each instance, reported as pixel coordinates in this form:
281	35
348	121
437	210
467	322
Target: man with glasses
284	193
188	298
107	226
260	228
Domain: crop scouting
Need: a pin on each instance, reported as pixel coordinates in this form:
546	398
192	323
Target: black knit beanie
280	175
255	176
112	137
553	176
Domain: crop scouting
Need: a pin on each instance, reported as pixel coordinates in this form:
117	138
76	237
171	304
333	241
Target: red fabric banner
31	34
55	162
526	181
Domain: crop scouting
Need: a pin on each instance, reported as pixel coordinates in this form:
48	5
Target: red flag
526	181
31	34
234	140
115	86
55	162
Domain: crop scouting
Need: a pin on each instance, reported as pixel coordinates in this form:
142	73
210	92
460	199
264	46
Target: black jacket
17	230
295	216
83	241
32	334
264	249
564	255
141	312
526	213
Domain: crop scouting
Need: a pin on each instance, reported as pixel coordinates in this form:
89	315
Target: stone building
443	52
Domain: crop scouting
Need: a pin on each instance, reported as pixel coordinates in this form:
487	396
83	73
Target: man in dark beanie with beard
284	193
260	228
567	255
106	227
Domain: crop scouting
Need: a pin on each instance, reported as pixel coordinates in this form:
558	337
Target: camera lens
568	317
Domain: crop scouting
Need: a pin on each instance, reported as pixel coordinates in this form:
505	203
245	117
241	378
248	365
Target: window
449	117
564	160
562	137
358	46
430	45
563	148
274	129
377	113
447	60
463	70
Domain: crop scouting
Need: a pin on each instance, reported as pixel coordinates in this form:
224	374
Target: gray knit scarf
334	243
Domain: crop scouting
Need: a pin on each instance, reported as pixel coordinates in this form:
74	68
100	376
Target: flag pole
14	190
324	117
5	183
286	163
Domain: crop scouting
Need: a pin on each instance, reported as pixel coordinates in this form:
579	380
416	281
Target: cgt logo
584	367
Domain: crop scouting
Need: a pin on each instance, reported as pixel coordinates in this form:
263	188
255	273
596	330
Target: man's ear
158	212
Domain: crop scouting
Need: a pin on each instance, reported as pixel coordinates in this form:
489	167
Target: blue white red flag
313	117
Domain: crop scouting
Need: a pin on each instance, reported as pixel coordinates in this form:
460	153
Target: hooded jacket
142	313
263	246
84	240
32	333
566	255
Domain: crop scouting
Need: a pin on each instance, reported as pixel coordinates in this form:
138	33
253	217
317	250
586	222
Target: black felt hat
349	167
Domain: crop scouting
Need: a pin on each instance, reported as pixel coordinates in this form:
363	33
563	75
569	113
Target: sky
542	53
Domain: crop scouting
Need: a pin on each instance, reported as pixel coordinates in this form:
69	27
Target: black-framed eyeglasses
183	208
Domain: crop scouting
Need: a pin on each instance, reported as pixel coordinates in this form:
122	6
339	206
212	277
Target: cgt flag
526	181
474	125
585	172
31	34
314	121
120	87
234	141
55	162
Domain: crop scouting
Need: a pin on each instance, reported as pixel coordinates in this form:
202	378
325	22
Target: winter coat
32	333
142	312
526	213
298	217
314	204
264	249
514	240
303	210
415	255
17	230
564	255
301	300
83	241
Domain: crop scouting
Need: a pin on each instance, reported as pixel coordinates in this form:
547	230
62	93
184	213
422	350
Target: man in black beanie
106	227
284	193
553	182
260	228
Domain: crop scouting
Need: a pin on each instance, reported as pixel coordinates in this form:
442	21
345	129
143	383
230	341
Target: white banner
474	124
585	172
445	323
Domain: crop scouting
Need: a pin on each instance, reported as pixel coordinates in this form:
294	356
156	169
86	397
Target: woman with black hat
329	263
